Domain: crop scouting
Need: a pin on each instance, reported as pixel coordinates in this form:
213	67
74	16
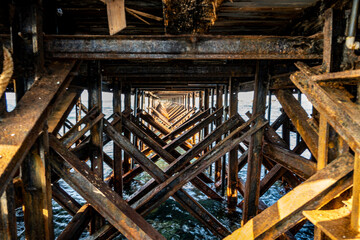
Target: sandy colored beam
312	194
20	128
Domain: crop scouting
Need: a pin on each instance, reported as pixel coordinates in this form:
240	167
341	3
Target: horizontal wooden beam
176	70
182	47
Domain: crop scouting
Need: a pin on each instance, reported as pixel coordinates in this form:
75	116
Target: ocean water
170	219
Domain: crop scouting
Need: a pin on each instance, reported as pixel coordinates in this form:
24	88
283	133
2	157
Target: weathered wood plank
8	229
255	154
116	15
299	119
100	196
17	135
233	155
303	167
178	47
37	206
77	224
62	110
340	112
312	194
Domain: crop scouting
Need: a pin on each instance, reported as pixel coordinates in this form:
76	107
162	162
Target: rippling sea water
170	219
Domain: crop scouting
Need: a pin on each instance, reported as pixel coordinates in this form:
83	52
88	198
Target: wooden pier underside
175	70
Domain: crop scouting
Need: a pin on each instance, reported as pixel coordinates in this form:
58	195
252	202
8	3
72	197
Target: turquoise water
170	219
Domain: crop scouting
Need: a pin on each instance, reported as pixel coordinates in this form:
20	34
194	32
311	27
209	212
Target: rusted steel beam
186	201
299	119
182	47
255	155
15	141
107	203
170	186
285	213
78	223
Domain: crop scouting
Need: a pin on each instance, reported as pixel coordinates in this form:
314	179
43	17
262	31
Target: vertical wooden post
27	40
322	159
355	212
233	155
37	206
96	155
219	104
117	168
127	103
252	185
8	229
223	172
286	131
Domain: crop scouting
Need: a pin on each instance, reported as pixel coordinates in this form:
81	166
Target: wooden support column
8	229
117	168
27	41
334	26
252	186
127	103
219	104
96	155
233	156
206	106
37	207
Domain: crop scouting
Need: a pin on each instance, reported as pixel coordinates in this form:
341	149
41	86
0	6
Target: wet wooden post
252	186
29	60
219	104
96	155
127	102
136	108
286	130
233	155
8	230
188	100
206	129
117	168
355	214
37	206
223	171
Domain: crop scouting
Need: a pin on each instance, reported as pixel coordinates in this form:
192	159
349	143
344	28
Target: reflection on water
170	219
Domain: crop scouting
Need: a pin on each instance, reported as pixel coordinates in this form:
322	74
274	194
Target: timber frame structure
187	61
